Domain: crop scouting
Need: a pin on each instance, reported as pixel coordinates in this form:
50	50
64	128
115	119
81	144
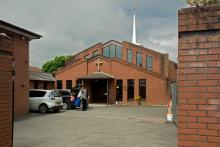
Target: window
129	56
35	84
118	52
64	93
149	62
86	56
106	51
59	84
33	93
139	59
113	51
119	90
45	85
95	53
68	84
142	88
130	89
55	94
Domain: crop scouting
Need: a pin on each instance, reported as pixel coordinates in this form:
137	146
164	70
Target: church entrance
99	91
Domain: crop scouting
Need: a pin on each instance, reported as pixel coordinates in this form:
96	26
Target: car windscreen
65	93
55	94
37	93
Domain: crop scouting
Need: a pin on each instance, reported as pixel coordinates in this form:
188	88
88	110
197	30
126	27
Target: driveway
101	126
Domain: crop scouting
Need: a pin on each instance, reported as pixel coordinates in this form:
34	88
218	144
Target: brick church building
119	71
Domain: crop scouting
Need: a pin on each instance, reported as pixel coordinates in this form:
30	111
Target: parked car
67	98
45	100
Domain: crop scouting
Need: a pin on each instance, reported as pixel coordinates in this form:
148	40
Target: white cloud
72	25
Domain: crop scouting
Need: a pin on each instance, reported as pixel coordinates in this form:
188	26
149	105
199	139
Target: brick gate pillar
199	77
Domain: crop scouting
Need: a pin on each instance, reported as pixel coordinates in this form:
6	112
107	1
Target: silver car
45	100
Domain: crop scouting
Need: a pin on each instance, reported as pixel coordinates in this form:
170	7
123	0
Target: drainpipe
13	98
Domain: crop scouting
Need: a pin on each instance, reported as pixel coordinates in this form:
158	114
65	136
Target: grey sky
69	26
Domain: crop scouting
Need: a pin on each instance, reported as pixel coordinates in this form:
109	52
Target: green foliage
201	2
53	65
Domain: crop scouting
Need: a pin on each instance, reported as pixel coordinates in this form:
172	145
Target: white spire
134	31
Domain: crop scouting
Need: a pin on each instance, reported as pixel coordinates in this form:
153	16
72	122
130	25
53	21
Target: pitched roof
41	76
13	28
97	75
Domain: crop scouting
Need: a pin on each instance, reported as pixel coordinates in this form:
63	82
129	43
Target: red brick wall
199	77
160	61
123	71
5	93
20	49
21	53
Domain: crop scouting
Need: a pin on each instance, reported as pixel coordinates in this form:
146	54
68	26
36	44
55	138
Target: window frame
119	97
130	95
68	84
138	54
129	52
147	63
59	84
143	85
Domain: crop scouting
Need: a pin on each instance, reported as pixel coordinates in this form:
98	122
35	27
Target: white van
45	100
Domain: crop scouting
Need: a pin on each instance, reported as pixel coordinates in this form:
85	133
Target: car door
55	95
35	99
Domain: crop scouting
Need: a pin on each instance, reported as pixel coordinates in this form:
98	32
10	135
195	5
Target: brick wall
123	71
5	92
199	77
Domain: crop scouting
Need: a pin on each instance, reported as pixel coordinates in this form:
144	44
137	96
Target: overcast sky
68	26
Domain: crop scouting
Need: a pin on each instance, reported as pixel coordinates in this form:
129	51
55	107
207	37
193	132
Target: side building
118	72
39	79
14	82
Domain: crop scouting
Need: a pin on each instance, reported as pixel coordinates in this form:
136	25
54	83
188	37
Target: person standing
84	98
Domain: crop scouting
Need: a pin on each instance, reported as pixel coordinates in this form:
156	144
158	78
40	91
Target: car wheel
43	108
65	106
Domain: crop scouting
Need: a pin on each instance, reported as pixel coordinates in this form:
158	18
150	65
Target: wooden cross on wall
98	63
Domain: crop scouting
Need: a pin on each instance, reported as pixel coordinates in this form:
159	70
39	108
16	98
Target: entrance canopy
97	76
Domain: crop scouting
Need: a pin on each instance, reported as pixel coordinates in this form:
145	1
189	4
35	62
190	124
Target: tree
54	64
198	3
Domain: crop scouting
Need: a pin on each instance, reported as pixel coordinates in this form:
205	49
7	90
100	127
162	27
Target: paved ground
114	126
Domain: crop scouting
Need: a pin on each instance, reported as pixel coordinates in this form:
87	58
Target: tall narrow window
118	52
59	84
112	50
106	51
142	88
119	90
149	63
130	89
68	84
139	59
129	56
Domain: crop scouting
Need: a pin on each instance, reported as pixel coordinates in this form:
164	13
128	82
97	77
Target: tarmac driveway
113	126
